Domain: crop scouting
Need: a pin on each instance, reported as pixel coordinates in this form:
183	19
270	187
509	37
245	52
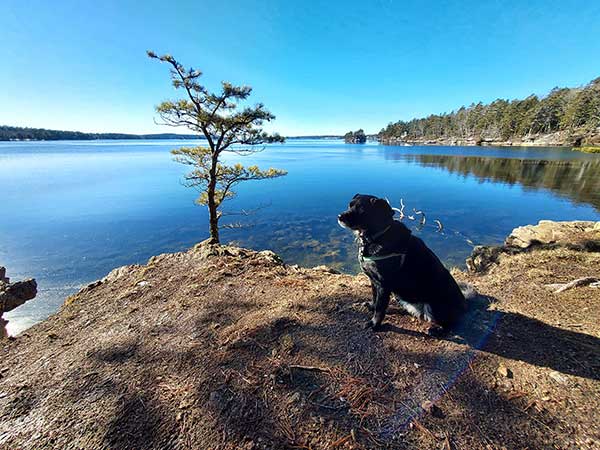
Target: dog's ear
383	204
379	202
356	196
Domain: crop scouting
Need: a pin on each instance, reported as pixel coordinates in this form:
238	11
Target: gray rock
326	269
482	258
558	377
270	256
13	295
549	232
579	235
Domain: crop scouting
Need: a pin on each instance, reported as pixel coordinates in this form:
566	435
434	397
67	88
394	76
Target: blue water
72	211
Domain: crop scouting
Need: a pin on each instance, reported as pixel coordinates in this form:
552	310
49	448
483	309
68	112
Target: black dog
398	262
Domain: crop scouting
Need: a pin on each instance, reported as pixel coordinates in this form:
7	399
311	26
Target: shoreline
507	144
569	139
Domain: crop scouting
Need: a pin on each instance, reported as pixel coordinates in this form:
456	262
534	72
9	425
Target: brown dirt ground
224	348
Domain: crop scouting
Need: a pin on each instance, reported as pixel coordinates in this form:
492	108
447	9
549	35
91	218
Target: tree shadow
139	423
515	336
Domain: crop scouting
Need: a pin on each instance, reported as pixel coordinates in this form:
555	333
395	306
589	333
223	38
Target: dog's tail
468	290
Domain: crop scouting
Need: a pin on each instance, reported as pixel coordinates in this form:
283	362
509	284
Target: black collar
374	237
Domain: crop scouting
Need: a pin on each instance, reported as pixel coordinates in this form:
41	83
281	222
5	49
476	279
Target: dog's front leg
371	305
381	299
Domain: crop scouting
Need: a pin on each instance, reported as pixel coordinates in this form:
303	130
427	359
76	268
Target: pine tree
226	126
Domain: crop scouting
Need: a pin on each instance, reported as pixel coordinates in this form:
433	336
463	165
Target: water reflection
578	180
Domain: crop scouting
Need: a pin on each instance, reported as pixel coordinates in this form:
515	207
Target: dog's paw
370	324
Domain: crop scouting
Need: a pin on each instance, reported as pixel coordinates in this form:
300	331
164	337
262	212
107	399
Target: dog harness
382	257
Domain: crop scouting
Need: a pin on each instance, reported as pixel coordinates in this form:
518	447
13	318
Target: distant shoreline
156	137
20	134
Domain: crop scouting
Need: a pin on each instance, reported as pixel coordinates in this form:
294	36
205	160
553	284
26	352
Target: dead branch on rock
562	287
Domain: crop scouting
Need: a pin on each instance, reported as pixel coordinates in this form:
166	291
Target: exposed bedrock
13	295
547	234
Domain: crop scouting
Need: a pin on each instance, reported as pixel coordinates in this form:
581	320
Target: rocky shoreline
558	139
13	295
223	347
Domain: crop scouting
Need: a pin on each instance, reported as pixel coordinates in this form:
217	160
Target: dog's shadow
515	336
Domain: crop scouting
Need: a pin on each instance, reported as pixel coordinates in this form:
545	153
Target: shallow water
72	211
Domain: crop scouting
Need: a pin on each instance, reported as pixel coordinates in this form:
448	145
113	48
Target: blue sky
320	67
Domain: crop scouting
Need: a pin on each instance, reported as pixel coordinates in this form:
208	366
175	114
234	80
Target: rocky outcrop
574	235
224	347
557	139
13	295
551	232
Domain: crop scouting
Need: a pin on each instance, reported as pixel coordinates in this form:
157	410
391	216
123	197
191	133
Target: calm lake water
72	211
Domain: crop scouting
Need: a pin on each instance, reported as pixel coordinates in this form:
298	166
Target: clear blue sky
321	67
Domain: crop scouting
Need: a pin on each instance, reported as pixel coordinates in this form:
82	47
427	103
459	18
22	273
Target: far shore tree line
563	109
9	133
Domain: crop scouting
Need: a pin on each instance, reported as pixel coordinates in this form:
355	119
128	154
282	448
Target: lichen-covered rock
326	269
482	258
551	232
576	235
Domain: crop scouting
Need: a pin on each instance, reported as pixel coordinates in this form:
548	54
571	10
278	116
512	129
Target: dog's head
366	212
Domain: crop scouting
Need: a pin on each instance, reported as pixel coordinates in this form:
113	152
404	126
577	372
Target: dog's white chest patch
368	266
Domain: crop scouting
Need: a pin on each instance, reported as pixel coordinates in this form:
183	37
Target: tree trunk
212	207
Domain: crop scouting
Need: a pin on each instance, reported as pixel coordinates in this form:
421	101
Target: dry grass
224	348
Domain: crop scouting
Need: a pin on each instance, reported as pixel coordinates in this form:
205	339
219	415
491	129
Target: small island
356	137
